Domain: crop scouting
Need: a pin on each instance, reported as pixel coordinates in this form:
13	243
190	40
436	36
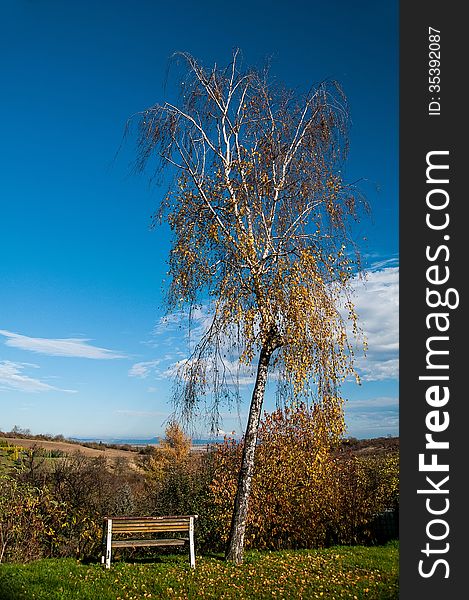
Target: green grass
341	572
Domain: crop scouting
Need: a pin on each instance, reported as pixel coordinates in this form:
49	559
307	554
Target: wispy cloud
174	336
236	374
184	326
13	378
70	347
157	368
181	332
379	403
377	262
143	369
141	413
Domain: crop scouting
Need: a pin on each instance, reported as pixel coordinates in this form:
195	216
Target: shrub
90	491
363	487
303	494
31	521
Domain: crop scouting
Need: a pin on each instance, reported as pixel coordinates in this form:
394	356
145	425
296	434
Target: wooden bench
141	528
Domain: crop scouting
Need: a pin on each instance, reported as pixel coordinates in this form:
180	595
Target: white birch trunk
235	549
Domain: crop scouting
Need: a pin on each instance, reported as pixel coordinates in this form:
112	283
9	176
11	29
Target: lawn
340	572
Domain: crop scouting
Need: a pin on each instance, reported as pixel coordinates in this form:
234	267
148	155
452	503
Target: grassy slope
340	572
70	448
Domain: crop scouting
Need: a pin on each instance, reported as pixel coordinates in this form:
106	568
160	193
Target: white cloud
372	417
12	378
377	305
70	347
370	425
373	369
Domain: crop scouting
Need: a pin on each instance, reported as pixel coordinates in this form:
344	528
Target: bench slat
137	543
153	518
147	529
150	521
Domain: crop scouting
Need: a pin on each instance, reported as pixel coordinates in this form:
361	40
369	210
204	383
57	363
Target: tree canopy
259	218
260	215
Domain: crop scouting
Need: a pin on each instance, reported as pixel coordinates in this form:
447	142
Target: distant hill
119	441
114	447
380	445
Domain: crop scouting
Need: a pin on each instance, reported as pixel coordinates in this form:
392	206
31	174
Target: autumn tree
260	219
173	449
176	443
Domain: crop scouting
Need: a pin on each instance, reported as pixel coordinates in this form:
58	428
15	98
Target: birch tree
260	218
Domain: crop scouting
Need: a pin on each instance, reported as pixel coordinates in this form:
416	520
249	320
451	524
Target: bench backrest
150	524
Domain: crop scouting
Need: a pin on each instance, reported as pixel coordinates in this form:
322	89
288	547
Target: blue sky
83	347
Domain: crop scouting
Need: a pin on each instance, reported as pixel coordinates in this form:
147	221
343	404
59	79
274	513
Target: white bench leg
107	558
191	543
